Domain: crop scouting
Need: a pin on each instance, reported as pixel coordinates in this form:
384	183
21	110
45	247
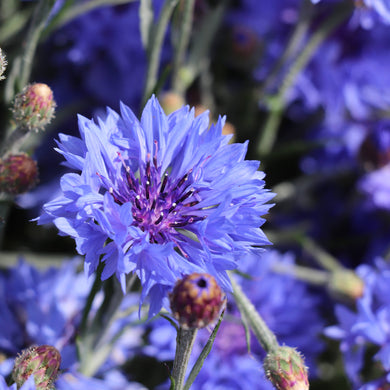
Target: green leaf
146	15
205	351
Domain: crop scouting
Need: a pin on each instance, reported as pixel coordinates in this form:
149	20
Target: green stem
277	103
5	205
79	9
265	336
95	344
22	65
37	25
155	47
184	38
293	44
11	143
184	342
323	258
310	275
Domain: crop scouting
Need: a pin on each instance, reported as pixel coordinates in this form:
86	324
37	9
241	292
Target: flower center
161	204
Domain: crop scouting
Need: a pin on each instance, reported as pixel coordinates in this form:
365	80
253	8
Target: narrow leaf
205	351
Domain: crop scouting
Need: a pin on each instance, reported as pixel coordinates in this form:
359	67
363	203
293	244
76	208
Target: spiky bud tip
34	107
196	300
18	174
41	361
285	369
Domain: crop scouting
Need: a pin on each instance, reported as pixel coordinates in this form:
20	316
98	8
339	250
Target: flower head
163	197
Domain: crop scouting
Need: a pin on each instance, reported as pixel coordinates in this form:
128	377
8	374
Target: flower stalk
184	343
263	334
186	17
154	47
276	103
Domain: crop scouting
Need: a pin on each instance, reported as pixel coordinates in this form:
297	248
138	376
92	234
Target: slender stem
184	38
79	9
155	47
37	25
310	275
293	44
95	344
184	342
10	144
269	134
323	258
5	205
265	336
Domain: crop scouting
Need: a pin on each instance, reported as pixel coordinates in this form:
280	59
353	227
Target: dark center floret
161	203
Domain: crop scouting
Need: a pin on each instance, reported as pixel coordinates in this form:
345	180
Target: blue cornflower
162	197
369	324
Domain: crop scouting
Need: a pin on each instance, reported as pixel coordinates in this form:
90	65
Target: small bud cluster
41	361
18	174
286	370
196	300
3	65
34	106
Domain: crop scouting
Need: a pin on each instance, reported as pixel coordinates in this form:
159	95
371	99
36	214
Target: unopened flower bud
3	64
41	361
171	101
285	369
345	284
34	106
196	300
18	174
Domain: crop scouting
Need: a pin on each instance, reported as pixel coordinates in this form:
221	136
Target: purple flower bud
18	174
41	361
196	300
3	64
285	369
34	106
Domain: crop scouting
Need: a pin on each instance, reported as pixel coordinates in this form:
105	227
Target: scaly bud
285	369
196	300
34	106
3	64
41	361
18	174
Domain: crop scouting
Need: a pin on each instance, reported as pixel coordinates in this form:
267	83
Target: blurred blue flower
163	197
368	12
41	308
28	385
368	324
113	380
45	307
